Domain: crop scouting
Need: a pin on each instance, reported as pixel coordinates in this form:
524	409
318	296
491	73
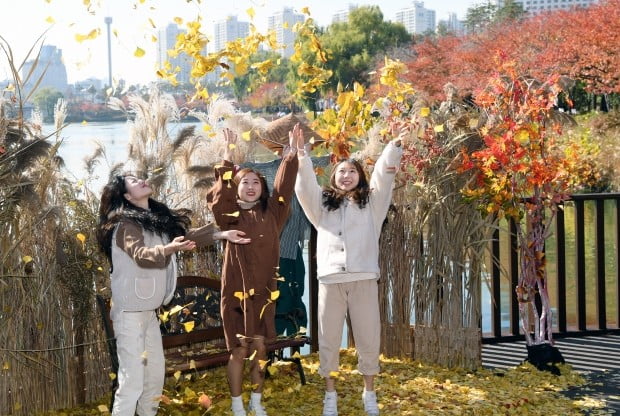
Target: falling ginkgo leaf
189	326
251	292
139	52
177	375
50	20
275	295
281	199
245	136
334	374
192	365
251	13
233	214
145	355
251	357
425	112
262	364
227	175
438	128
27	259
240	295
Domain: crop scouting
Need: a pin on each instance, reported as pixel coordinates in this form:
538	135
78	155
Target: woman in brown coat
240	200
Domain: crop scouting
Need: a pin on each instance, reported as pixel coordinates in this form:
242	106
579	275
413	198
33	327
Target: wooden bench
192	332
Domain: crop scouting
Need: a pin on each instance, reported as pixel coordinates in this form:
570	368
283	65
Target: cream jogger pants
361	300
141	364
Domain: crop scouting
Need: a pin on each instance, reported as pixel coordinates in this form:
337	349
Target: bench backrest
192	316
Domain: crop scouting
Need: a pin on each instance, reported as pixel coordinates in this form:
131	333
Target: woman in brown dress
240	200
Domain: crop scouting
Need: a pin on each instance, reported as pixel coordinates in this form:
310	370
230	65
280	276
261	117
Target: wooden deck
597	357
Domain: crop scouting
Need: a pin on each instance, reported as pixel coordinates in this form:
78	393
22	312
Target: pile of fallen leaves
404	388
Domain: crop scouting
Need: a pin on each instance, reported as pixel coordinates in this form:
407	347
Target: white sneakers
237	407
370	403
256	406
330	404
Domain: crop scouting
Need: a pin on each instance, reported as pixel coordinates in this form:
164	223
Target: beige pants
361	300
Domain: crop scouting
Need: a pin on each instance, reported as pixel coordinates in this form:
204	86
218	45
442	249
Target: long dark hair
114	208
264	194
333	196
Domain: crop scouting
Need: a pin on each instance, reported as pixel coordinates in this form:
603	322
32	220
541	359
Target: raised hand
296	139
230	139
399	132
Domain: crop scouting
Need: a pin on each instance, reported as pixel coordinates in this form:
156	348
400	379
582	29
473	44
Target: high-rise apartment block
166	40
417	18
342	16
49	68
282	23
228	30
537	6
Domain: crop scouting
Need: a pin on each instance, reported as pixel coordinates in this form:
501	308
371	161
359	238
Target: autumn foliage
581	44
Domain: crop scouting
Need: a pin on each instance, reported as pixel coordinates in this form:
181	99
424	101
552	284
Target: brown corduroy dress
249	270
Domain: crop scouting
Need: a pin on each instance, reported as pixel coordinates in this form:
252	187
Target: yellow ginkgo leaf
233	214
279	278
178	20
334	374
438	128
189	393
27	259
50	20
227	175
112	376
84	122
240	295
296	355
281	199
175	309
145	355
303	330
139	52
305	10
275	295
81	237
251	292
189	326
103	408
232	146
251	13
262	364
251	357
311	141
163	317
473	123
262	311
207	127
192	364
425	111
245	136
177	375
272	370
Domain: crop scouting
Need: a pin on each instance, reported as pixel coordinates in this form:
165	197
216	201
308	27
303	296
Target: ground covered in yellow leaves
404	388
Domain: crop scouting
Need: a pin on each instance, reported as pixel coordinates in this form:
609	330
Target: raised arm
222	197
284	182
383	174
307	188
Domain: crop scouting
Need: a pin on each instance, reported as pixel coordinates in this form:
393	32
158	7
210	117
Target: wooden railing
597	295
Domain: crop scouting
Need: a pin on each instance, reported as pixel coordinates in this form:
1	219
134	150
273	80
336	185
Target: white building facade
416	19
282	23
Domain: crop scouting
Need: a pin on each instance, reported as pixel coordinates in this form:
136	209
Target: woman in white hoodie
140	237
348	215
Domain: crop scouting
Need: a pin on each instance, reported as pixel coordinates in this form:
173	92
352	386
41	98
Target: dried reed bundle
437	244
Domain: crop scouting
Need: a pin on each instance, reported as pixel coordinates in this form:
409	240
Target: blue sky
21	23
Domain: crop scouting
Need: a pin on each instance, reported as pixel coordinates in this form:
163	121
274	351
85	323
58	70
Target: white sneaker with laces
370	403
257	408
237	407
330	404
